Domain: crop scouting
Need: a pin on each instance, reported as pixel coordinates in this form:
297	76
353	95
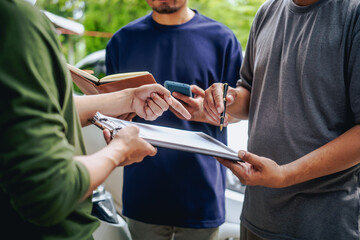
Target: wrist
131	93
115	153
122	101
282	181
288	177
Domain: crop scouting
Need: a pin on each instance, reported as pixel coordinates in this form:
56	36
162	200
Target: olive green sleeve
39	132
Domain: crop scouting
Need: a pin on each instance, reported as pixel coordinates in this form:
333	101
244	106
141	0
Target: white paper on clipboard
172	138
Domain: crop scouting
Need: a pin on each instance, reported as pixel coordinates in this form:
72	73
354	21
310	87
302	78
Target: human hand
214	102
256	171
194	106
129	147
107	135
150	101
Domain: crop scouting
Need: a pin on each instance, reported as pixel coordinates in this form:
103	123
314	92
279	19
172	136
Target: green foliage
110	15
117	14
236	14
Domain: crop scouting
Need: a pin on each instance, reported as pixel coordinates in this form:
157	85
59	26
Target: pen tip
221	127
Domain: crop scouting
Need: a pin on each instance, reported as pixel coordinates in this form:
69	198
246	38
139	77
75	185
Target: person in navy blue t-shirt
177	192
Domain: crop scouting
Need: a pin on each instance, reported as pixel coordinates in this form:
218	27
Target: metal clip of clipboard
104	123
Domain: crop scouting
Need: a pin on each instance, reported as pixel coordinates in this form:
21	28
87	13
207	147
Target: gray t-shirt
302	66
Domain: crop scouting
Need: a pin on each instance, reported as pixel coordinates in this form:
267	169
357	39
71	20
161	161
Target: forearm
338	155
239	110
99	166
111	104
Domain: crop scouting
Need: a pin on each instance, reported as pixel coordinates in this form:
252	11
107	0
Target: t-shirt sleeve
37	171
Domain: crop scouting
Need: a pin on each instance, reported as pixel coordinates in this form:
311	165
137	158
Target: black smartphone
182	88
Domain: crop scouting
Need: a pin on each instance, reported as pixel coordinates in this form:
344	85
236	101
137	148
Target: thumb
250	158
107	135
230	97
197	90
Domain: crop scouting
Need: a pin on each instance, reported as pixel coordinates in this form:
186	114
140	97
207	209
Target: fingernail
242	153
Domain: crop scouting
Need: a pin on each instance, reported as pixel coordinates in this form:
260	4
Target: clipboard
172	138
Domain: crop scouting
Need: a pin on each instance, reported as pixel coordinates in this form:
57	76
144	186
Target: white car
112	188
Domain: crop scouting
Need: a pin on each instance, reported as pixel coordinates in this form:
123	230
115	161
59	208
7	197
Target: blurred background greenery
101	18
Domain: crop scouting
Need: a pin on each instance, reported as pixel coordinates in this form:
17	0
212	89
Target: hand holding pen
218	97
222	116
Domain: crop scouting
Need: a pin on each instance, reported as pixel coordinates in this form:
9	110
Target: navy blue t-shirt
177	188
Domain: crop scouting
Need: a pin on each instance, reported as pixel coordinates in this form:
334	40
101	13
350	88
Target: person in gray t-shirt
300	90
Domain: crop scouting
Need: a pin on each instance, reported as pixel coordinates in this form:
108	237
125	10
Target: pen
222	116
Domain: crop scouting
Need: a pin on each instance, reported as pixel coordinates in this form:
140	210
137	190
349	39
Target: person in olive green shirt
46	180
